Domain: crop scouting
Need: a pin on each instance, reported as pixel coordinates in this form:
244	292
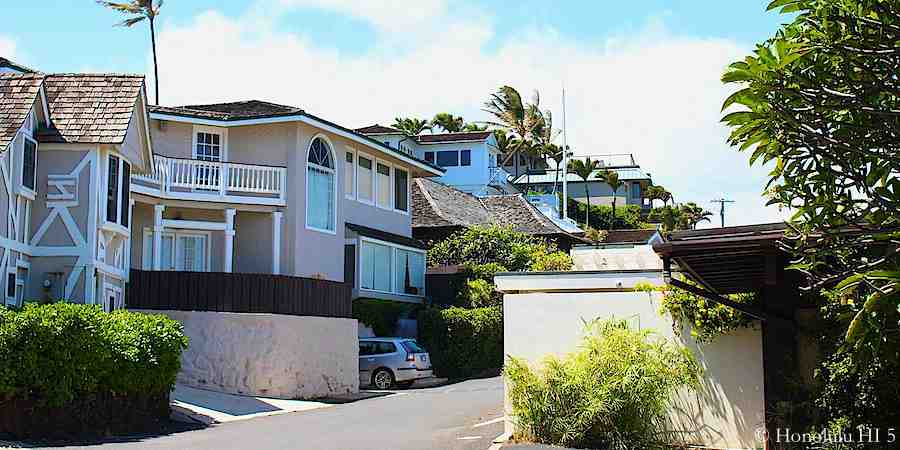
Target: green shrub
542	261
479	293
613	393
628	217
380	315
483	245
462	342
60	352
708	320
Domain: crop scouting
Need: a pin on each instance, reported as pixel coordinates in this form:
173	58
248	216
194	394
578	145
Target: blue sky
642	76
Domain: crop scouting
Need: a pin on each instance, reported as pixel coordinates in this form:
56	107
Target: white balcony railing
498	176
196	179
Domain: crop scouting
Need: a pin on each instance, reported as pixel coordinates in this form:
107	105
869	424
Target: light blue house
471	159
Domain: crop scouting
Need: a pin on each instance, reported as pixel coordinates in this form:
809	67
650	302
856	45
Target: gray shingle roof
249	109
629	236
474	136
17	95
378	129
90	108
438	205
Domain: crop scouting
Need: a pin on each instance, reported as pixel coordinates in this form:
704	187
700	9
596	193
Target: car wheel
405	384
383	379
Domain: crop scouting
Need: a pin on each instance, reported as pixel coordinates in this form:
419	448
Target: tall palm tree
584	170
611	178
515	116
448	122
138	10
411	126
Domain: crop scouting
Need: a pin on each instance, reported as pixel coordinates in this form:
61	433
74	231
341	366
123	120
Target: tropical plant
667	216
411	126
654	193
448	122
819	102
611	178
707	320
510	249
138	10
584	170
613	393
512	114
472	126
692	214
628	217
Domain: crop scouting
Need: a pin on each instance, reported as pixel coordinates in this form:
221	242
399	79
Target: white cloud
649	92
7	47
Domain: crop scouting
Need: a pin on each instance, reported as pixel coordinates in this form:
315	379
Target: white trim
394	247
229	240
206	196
194	224
392	244
408	191
223	140
148	234
371	158
334	183
353	182
390	175
276	242
355	137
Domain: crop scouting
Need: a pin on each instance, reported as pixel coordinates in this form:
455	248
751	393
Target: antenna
722	201
565	162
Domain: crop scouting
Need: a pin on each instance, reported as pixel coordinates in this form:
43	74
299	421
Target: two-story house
471	160
68	143
256	187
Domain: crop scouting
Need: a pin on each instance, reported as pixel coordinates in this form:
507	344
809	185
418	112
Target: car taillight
410	357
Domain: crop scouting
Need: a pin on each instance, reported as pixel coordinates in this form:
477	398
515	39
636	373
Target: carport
747	259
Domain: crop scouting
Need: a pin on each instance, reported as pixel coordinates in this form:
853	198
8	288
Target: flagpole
565	162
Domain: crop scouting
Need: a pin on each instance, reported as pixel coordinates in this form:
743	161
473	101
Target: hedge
462	342
61	359
380	315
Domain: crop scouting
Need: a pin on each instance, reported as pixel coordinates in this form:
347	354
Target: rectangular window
448	158
376	267
636	190
365	179
384	185
29	160
349	179
401	190
465	157
112	190
11	285
429	157
409	276
125	195
178	251
209	147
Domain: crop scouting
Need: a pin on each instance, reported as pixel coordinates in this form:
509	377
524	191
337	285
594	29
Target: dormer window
29	163
118	188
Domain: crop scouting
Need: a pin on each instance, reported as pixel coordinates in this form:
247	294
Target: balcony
192	179
498	176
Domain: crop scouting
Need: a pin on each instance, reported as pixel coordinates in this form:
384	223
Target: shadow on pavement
167	428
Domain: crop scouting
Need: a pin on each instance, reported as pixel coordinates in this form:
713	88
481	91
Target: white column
229	240
157	235
276	242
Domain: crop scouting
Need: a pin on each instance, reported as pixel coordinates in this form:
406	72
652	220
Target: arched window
320	203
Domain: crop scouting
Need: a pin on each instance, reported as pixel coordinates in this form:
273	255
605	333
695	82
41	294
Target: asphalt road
415	419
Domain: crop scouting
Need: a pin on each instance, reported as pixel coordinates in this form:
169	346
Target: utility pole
722	201
565	162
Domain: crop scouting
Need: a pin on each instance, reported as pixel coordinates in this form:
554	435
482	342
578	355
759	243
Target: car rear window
412	347
385	347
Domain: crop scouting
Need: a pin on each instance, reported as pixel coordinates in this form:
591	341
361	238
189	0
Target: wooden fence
237	292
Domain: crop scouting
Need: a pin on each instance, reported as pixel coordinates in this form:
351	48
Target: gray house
259	188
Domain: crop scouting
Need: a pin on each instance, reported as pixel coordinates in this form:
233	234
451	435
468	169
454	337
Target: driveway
457	416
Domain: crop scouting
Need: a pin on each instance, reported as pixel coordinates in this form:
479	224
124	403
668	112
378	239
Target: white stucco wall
269	355
729	407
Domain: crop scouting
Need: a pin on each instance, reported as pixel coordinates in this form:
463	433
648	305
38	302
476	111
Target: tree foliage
138	11
411	126
820	103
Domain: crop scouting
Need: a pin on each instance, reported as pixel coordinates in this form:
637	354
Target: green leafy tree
692	214
820	103
138	11
448	122
411	126
472	126
654	193
611	178
584	169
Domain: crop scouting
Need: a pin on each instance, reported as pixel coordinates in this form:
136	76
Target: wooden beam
746	309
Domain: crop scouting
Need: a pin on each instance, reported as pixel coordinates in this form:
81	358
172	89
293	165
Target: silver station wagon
388	362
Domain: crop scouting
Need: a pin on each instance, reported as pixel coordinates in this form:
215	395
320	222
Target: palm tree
611	178
510	113
448	122
654	193
472	126
584	170
666	196
138	10
411	126
693	214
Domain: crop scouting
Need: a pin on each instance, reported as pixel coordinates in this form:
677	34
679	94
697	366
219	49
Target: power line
722	201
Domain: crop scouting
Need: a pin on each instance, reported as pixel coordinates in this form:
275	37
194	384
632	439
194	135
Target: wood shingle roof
18	93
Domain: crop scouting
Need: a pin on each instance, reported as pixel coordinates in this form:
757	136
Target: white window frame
116	225
223	140
147	245
353	183
359	155
390	205
26	191
334	180
394	247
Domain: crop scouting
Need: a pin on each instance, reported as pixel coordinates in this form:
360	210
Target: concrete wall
725	413
269	355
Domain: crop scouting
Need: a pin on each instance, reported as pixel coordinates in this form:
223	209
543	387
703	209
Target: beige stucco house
68	143
256	187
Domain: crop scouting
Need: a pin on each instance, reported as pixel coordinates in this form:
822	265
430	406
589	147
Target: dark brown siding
237	292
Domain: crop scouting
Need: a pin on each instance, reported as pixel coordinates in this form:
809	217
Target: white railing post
222	168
